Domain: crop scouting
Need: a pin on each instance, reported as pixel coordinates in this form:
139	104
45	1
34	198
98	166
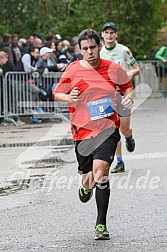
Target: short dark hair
88	34
32	49
15	35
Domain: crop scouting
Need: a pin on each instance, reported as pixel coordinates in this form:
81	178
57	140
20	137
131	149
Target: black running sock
102	199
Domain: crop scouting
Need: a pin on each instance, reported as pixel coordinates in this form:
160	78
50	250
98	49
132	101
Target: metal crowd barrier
150	73
26	95
2	96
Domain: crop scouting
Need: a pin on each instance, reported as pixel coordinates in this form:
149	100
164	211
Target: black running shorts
102	147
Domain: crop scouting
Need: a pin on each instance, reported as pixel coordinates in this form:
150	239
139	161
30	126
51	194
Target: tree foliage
137	21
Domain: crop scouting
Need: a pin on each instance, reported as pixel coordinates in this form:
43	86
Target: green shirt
162	54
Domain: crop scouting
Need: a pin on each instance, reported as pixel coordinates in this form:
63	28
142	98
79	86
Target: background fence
2	96
30	95
150	74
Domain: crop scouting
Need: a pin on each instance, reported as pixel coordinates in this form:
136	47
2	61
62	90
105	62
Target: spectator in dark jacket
4	67
5	46
16	48
28	62
29	43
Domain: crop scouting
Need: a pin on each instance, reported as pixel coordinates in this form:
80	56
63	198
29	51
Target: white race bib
100	108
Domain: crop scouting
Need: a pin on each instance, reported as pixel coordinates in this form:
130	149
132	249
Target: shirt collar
111	48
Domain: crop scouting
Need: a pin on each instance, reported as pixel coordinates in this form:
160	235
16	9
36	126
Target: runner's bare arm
127	99
134	71
67	98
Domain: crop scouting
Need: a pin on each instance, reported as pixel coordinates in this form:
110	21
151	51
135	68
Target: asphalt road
39	206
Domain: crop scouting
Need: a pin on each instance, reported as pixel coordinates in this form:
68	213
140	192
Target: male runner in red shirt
88	85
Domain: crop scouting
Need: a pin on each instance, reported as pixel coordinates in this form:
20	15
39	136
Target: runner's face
109	35
90	51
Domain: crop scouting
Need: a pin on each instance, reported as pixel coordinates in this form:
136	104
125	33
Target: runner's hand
74	94
127	102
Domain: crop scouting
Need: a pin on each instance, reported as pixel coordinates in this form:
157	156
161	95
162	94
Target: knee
100	172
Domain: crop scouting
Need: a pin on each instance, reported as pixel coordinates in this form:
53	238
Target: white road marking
152	155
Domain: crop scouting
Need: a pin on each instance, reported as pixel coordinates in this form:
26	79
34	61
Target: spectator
3	62
42	65
22	43
28	62
5	46
16	48
5	65
38	43
49	38
58	37
44	68
161	68
53	61
65	45
61	57
37	35
70	54
29	43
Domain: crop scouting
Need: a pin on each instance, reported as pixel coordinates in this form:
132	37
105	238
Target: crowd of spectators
63	51
37	54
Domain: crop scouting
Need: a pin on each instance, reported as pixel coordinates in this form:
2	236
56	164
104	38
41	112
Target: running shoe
130	144
84	194
120	167
101	232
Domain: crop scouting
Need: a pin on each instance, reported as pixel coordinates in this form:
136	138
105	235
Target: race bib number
100	108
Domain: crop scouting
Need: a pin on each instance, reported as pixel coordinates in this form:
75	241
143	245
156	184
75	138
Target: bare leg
119	149
125	130
88	180
125	126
